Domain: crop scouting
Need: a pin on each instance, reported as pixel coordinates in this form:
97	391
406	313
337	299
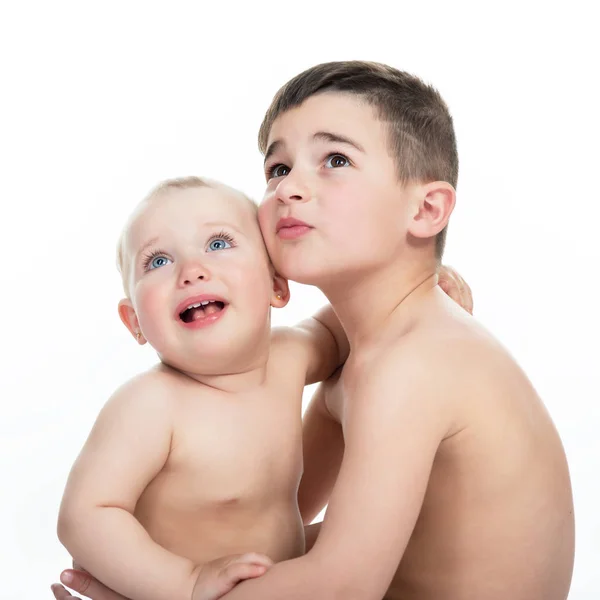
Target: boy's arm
128	446
392	434
323	449
324	340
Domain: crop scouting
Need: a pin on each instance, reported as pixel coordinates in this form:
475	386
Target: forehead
339	113
182	211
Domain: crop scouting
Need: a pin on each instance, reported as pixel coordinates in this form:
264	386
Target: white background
100	101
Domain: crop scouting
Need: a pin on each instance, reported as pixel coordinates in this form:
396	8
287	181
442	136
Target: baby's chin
229	358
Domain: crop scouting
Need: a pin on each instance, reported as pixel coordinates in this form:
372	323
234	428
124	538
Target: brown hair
420	130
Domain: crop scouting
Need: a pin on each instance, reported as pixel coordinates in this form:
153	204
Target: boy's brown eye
279	171
336	161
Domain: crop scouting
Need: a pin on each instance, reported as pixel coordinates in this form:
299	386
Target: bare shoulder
153	390
435	366
466	352
289	348
453	343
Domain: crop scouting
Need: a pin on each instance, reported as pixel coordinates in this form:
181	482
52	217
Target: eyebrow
146	245
212	224
224	224
325	136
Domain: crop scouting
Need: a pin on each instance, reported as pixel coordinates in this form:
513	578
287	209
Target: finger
469	297
445	285
236	572
60	593
83	583
466	297
456	287
254	558
450	286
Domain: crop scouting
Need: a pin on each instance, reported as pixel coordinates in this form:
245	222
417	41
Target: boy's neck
366	305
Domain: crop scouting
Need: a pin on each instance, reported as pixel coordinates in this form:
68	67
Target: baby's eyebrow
212	224
224	224
146	245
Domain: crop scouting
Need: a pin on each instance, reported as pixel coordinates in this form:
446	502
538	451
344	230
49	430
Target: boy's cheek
265	221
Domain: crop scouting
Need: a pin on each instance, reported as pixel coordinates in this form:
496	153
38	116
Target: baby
188	481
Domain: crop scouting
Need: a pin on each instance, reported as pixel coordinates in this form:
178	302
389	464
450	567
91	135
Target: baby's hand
456	287
220	576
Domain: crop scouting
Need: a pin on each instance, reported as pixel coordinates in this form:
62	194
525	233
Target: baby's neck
235	377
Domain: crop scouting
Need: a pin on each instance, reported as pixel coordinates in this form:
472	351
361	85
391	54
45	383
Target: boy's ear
433	207
130	320
281	291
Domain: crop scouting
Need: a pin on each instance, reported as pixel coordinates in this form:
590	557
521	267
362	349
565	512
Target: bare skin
149	482
445	477
188	481
176	521
496	519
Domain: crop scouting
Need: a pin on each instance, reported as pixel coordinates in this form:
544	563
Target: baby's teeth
199	304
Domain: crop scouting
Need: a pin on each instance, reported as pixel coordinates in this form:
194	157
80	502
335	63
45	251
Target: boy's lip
289	228
201	298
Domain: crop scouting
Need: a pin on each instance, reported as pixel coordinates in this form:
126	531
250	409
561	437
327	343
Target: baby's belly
207	528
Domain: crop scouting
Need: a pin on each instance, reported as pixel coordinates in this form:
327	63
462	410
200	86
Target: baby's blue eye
218	244
159	261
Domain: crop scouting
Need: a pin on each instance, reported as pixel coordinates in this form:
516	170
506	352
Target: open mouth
201	310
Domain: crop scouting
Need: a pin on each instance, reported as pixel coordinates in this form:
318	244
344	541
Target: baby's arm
323	343
128	446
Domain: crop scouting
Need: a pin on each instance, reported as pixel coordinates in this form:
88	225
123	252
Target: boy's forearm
112	545
298	579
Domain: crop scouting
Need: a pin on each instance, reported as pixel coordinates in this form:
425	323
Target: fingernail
66	577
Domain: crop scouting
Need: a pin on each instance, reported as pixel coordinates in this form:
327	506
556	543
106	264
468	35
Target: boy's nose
291	190
192	273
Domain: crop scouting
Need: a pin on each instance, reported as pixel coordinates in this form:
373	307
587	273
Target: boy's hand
83	583
456	287
220	576
215	579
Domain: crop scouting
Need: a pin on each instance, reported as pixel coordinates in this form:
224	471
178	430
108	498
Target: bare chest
235	451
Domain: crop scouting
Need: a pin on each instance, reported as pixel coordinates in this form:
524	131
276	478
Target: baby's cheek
150	305
255	281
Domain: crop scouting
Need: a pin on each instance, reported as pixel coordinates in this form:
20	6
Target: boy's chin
317	276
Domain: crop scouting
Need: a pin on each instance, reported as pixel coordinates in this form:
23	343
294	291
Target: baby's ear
130	320
281	291
433	206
